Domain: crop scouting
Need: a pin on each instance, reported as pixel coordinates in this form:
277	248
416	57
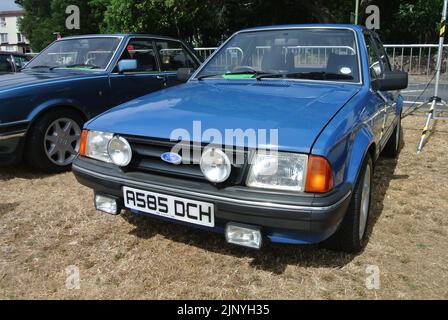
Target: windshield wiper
40	66
308	75
78	65
254	72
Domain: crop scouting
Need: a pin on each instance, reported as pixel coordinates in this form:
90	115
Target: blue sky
6	5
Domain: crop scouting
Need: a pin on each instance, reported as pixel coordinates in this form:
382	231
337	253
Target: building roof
11	13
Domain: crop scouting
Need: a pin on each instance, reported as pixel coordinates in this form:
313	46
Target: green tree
209	22
44	17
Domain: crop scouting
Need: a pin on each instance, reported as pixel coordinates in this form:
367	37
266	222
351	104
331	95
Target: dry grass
48	223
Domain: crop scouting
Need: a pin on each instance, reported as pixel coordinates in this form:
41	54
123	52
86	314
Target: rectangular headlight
279	171
96	143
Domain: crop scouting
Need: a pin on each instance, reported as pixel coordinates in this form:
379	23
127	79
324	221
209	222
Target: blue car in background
275	137
12	61
43	108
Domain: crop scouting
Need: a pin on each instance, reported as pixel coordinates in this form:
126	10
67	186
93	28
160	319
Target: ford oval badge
172	158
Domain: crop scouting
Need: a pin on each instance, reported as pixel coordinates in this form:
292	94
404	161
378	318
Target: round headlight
215	165
119	151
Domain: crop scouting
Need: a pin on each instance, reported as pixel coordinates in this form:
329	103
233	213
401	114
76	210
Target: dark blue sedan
274	138
43	108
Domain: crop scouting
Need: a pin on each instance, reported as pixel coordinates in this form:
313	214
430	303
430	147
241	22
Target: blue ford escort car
43	108
275	137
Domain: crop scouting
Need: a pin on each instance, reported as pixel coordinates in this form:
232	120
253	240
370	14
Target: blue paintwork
218	105
26	95
339	121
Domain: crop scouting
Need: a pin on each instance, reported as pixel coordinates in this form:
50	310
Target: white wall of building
10	37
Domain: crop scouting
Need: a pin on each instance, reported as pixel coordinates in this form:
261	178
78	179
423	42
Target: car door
173	55
391	105
378	99
145	79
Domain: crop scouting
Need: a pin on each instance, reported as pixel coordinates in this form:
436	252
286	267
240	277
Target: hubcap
61	142
365	202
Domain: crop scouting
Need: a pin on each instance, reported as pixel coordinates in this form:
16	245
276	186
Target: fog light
243	235
215	165
119	151
106	204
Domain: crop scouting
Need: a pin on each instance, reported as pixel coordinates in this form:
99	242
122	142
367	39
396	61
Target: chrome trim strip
11	136
211	197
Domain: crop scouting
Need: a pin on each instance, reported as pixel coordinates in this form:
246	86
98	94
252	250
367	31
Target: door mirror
391	80
183	74
127	65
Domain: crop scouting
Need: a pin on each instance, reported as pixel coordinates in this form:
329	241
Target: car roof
295	26
120	35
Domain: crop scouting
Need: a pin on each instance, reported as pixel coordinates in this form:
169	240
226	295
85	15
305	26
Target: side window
5	64
375	65
383	54
141	50
174	56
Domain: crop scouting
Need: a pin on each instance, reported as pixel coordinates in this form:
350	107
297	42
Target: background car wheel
392	148
53	140
351	234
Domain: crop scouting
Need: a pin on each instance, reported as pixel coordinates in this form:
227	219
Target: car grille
146	157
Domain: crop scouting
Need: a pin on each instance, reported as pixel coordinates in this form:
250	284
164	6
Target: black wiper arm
308	75
209	76
39	67
92	66
258	73
271	75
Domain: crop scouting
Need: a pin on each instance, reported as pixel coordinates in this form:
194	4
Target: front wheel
351	235
53	141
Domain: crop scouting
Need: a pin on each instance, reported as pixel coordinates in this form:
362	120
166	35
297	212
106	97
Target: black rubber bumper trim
12	142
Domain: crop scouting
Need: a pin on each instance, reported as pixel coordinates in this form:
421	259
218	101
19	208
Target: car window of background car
5	64
21	61
87	52
289	51
173	56
141	50
375	66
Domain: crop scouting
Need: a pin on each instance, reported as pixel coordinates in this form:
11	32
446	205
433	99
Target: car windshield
307	53
87	53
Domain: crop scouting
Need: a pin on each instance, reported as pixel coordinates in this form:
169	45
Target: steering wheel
244	69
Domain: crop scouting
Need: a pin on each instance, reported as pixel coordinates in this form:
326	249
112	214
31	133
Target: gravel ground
48	224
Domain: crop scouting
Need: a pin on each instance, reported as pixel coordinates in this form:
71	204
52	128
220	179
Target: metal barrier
416	59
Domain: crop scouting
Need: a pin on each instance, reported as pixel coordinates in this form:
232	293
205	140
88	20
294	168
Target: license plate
186	210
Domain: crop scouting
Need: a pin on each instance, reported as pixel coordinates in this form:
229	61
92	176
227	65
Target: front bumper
12	136
284	217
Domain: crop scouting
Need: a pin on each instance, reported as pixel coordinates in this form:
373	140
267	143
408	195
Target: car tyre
53	140
392	148
351	235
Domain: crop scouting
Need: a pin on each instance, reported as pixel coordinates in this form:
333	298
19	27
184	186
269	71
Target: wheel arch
50	106
363	145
